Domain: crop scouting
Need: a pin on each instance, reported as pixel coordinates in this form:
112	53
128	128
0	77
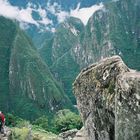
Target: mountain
27	88
66	5
115	30
57	53
112	30
39	17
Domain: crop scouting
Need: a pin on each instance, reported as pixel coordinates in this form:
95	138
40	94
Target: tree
42	122
65	120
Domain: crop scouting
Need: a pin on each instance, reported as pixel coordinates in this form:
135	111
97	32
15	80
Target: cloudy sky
24	15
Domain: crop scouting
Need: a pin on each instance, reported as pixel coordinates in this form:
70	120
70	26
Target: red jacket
2	117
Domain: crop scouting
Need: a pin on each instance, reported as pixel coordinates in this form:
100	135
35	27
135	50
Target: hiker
2	122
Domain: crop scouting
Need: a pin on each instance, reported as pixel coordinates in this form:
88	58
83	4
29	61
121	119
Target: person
2	122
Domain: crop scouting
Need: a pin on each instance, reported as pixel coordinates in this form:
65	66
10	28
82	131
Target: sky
25	15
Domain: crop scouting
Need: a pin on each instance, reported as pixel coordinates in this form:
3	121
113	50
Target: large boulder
128	106
103	92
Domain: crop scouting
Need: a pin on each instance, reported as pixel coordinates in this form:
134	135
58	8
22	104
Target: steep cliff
115	30
57	53
26	86
112	30
107	95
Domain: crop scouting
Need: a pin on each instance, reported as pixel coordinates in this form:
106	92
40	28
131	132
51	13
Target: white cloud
6	10
43	15
45	21
115	0
24	16
24	25
13	12
53	30
85	13
53	8
61	16
56	10
42	12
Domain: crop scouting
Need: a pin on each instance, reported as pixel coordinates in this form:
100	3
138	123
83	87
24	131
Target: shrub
10	119
65	120
42	122
20	133
15	121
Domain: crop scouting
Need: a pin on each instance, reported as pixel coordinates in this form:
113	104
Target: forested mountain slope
27	88
115	29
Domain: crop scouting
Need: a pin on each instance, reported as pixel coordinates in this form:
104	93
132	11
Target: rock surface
128	107
7	134
74	134
80	135
108	100
68	135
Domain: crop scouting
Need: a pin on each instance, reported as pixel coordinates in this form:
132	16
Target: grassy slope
26	133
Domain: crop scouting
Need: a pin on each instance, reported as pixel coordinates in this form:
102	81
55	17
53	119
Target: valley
39	62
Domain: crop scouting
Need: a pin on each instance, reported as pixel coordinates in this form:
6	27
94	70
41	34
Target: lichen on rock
128	107
97	90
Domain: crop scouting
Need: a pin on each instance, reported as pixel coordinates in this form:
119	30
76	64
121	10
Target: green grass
36	134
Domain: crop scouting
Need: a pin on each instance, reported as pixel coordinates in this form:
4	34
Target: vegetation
15	121
108	32
42	122
27	87
57	51
26	83
65	120
62	121
6	40
42	128
27	133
